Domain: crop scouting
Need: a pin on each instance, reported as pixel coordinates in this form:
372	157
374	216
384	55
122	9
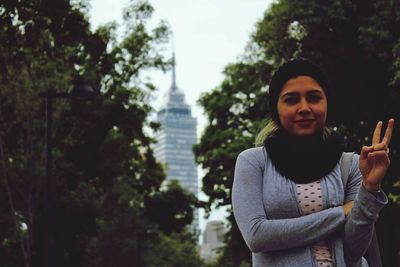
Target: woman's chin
305	132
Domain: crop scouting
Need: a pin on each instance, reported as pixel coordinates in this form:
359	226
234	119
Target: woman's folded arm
263	234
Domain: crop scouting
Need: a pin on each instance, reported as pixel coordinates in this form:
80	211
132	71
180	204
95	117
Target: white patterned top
310	201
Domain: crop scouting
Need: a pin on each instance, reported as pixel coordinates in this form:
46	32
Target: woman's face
302	106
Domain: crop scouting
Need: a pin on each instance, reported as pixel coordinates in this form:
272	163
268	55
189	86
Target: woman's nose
304	106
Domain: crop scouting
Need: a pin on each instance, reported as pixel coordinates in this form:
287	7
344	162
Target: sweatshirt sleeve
359	226
263	234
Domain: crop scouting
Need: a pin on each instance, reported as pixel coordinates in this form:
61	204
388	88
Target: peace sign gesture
374	159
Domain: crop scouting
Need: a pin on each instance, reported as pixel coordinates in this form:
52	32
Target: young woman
288	196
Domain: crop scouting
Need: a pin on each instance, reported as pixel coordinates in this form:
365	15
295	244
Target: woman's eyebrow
315	91
290	94
312	91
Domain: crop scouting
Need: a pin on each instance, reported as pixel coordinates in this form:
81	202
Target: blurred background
120	124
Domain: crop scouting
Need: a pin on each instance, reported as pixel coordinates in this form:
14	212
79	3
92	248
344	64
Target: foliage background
108	184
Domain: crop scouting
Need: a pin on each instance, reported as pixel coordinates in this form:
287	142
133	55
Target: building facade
175	140
213	240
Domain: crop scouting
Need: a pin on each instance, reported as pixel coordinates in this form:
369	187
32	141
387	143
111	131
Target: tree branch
11	203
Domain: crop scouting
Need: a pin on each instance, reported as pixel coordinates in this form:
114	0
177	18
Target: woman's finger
379	153
365	150
376	137
388	132
380	146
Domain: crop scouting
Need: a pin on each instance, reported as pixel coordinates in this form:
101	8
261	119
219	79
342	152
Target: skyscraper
176	138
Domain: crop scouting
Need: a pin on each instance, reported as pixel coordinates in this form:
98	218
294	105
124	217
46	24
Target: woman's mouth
304	122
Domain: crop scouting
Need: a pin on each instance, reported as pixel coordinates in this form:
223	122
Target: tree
104	164
168	208
175	250
355	43
37	51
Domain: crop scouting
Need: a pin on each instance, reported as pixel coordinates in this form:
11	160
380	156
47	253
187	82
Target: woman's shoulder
349	163
350	157
252	151
255	155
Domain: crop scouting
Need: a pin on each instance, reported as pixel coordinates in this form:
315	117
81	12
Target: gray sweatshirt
265	207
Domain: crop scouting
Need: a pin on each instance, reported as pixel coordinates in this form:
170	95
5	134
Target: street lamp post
81	92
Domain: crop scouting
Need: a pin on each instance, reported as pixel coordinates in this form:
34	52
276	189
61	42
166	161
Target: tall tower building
176	138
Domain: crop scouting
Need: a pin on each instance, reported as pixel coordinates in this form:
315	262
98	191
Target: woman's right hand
374	159
347	207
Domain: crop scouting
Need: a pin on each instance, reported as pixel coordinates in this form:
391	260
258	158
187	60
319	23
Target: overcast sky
208	35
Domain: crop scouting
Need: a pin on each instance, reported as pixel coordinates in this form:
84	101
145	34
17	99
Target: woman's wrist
372	188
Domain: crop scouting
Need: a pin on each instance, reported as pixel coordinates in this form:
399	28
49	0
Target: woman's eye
314	98
291	100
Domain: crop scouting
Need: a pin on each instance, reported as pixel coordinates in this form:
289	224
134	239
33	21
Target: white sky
208	34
